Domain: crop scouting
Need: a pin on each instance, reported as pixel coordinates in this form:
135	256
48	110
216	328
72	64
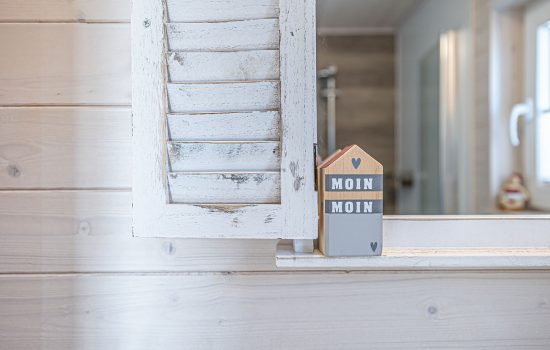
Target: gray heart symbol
373	246
356	162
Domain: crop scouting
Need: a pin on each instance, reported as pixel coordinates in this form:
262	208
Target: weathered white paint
221	10
232	188
224	156
224	97
153	216
65	147
276	311
63	11
257	34
37	69
298	118
249	126
223	66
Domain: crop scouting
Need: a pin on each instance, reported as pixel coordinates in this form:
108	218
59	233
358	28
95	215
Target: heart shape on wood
356	162
373	246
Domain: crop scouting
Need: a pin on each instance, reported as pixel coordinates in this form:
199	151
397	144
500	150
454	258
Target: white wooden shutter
224	118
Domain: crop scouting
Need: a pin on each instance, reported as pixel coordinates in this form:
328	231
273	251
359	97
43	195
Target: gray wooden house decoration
351	202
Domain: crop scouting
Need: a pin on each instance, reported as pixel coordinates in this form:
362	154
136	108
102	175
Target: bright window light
543	103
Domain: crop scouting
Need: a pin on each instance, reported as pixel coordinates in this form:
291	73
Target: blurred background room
452	97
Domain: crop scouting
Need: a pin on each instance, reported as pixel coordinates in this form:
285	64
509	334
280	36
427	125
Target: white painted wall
418	34
72	277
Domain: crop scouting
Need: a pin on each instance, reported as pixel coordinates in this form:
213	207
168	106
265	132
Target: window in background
542	117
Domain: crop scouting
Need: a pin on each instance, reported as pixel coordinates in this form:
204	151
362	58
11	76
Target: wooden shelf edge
403	259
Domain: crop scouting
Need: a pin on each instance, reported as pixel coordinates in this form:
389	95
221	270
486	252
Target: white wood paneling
254	34
224	97
65	11
91	231
223	66
250	126
67	64
234	188
224	156
276	311
65	147
220	10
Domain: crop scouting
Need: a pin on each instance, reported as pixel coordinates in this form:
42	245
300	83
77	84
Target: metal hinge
315	150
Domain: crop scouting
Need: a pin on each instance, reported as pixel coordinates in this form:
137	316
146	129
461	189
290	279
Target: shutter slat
220	10
225	188
224	156
258	34
251	126
224	97
223	66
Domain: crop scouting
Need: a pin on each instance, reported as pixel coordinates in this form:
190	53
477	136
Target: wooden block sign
351	198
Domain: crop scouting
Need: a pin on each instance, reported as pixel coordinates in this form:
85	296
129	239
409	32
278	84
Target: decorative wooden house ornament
351	198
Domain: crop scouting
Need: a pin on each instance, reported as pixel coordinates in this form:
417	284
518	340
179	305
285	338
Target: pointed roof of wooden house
354	154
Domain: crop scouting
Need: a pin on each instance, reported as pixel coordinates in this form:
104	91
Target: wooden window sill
443	243
421	259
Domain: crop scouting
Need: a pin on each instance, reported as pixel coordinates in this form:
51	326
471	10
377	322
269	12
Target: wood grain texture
91	231
257	34
65	11
65	64
298	117
342	164
148	113
223	66
232	188
224	97
250	126
276	311
224	156
65	147
153	217
220	10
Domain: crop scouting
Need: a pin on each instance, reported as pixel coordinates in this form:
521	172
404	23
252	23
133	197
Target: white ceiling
382	15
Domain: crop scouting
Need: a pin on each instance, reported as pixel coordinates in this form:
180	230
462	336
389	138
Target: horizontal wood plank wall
117	292
65	11
276	311
65	147
91	231
65	64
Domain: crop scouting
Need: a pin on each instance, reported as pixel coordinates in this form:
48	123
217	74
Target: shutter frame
153	214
